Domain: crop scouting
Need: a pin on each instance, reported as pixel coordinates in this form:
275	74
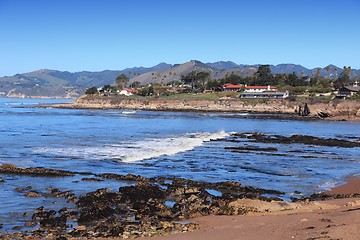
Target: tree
151	90
195	79
107	88
233	78
263	76
291	79
335	71
91	91
201	78
143	91
213	84
121	80
347	70
342	80
281	78
318	71
135	84
323	83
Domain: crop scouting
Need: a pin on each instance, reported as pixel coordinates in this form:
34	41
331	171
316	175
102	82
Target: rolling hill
53	83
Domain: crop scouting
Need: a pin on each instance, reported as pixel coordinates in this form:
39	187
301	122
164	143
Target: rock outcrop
334	110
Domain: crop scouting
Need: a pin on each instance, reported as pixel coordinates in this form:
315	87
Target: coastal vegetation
200	85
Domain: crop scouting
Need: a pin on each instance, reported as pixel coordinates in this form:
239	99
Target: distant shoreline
284	109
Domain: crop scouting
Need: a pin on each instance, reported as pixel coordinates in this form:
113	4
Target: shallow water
172	144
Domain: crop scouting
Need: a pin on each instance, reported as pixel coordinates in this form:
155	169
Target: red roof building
130	90
232	87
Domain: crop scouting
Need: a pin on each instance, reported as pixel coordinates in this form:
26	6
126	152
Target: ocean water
151	144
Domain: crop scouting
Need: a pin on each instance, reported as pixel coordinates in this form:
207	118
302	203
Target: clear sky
76	35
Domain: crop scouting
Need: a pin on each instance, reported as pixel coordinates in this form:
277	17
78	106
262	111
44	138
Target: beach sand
329	219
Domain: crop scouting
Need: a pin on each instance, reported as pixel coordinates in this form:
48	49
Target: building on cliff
263	92
232	87
347	91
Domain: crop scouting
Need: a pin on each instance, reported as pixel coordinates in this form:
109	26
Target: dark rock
97	205
142	192
30	224
128	177
252	148
61	238
17	228
51	221
33	194
12	169
325	196
93	179
69	213
23	189
2	180
323	115
68	195
298	139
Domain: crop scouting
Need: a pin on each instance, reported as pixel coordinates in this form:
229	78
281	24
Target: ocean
190	145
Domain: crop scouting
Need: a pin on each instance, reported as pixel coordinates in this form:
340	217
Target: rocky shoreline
285	109
147	207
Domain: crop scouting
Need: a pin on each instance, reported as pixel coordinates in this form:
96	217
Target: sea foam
137	151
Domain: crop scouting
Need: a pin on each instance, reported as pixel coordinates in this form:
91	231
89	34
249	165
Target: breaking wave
137	151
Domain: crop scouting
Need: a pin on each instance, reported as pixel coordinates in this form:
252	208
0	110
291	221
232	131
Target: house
347	91
257	89
263	92
128	91
232	87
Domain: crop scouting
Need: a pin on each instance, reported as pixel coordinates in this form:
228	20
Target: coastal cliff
333	110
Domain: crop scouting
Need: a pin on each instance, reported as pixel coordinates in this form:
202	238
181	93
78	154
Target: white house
257	89
127	91
263	92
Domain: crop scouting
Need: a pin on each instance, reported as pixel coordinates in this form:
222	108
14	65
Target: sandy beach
330	219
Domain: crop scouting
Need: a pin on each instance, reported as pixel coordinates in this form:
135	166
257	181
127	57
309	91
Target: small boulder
33	194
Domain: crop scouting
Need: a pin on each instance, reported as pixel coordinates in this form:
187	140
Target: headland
344	110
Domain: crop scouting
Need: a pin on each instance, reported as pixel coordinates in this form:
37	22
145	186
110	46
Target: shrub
91	91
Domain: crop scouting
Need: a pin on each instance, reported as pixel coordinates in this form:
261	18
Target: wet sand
330	219
352	186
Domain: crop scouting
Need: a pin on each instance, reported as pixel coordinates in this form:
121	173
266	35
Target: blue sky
76	35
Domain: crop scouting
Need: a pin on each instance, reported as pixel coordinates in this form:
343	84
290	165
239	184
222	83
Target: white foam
329	185
128	112
137	151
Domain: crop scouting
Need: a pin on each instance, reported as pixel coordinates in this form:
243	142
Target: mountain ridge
50	82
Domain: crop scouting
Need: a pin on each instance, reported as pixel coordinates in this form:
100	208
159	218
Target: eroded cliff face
222	105
336	110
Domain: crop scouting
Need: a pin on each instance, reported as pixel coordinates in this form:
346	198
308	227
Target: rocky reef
296	139
147	207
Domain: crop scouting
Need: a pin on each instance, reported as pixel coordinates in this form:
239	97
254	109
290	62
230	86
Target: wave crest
138	151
